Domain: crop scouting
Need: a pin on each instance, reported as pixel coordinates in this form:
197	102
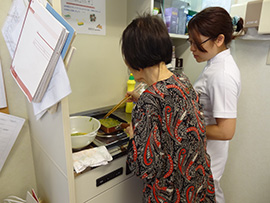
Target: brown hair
211	22
146	42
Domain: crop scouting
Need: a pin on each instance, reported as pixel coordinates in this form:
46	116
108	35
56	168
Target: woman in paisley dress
167	147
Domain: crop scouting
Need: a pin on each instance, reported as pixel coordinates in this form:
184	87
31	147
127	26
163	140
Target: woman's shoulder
181	77
161	88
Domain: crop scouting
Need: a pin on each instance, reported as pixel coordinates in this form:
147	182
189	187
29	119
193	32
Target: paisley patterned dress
168	151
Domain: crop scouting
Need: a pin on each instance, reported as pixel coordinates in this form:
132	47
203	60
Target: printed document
10	126
58	88
13	24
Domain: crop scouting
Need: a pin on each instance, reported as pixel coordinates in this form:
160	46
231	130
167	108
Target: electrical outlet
268	57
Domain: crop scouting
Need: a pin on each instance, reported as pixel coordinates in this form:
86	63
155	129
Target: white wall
17	175
247	177
97	72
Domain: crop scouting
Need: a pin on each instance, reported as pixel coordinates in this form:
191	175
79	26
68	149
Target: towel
90	158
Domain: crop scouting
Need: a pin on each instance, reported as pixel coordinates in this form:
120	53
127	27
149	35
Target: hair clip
235	20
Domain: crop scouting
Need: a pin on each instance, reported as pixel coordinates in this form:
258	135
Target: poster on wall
85	16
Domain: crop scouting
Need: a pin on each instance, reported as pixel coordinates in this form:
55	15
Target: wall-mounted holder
256	20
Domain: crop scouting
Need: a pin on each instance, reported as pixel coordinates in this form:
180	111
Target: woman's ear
220	40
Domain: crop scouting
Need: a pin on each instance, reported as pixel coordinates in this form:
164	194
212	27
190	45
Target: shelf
177	36
252	34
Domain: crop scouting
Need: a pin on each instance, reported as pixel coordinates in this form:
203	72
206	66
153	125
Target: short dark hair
211	22
146	42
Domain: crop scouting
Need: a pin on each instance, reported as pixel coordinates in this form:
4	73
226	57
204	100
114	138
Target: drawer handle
109	176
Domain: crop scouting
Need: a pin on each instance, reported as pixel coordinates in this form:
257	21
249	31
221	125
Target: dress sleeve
144	149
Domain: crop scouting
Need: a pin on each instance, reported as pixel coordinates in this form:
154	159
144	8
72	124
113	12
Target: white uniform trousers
218	151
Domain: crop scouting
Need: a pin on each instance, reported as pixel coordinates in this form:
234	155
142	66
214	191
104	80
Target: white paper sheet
3	101
58	88
14	21
10	126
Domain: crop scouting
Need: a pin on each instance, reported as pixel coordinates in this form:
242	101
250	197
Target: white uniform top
219	86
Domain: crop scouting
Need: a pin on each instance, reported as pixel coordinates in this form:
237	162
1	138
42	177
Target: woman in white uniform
219	85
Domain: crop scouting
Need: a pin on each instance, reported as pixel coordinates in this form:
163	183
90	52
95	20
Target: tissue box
171	17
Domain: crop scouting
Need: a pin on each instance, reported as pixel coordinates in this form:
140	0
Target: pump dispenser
130	87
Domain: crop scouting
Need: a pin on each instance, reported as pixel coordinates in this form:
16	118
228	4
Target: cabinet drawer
96	182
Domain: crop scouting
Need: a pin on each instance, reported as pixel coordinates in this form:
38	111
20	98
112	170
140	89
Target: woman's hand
129	131
134	96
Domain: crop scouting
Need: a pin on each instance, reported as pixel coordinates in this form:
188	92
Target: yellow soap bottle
130	87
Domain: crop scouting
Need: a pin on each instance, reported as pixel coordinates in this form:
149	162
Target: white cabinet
121	189
51	146
255	14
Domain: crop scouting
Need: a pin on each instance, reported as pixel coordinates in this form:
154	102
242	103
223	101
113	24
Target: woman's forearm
223	130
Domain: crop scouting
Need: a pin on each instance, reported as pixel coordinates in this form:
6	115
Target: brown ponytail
238	25
211	22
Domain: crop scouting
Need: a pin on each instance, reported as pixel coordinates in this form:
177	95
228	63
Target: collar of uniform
219	57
